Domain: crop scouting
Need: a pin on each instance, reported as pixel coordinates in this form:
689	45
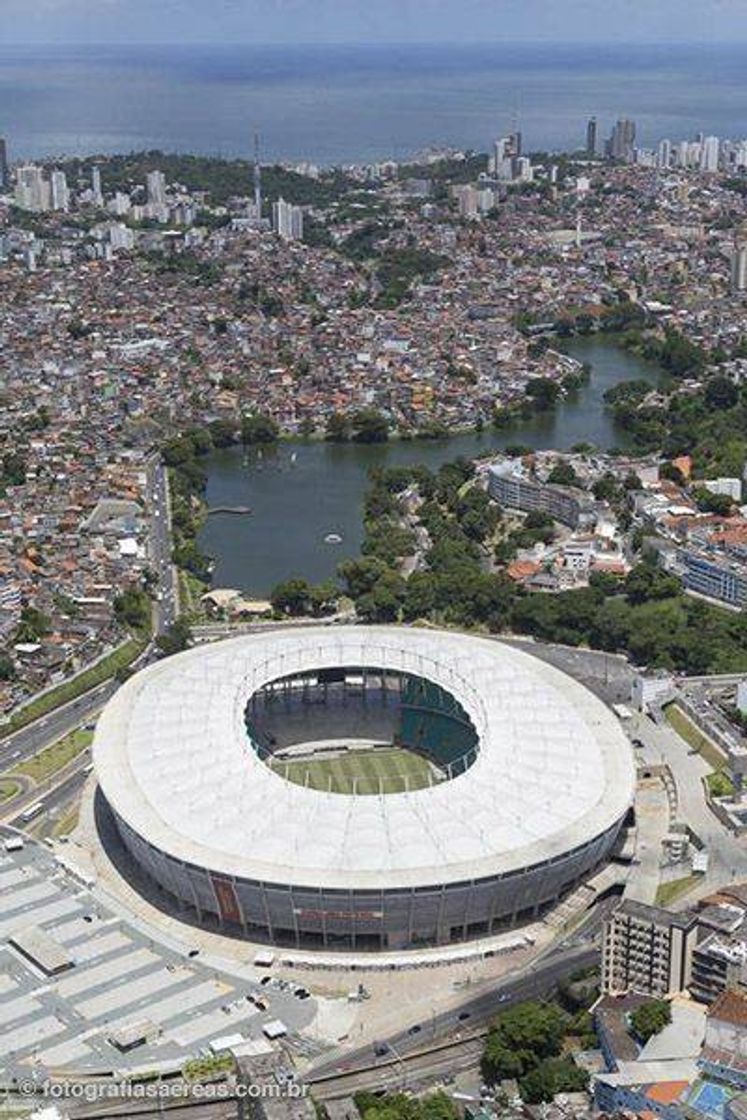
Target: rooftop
553	770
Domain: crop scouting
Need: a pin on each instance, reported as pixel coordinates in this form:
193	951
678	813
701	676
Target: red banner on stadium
228	903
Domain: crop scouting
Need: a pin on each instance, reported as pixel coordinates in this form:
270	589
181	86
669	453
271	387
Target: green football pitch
386	770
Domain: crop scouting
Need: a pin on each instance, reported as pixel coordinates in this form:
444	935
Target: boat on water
333	538
294	456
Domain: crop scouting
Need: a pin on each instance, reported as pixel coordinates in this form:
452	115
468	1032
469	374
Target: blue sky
282	21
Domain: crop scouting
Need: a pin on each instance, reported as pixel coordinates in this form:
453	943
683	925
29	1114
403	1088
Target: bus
32	811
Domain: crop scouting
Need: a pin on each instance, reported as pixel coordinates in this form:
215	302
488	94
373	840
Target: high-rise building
591	137
257	180
664	154
622	140
739	269
32	190
98	196
60	195
647	949
523	169
120	204
156	188
287	220
709	153
4	169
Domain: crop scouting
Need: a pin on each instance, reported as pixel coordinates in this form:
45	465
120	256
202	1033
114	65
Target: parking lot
118	976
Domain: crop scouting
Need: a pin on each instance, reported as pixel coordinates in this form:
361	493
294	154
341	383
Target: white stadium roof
553	771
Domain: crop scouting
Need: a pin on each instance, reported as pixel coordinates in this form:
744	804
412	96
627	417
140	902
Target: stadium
362	788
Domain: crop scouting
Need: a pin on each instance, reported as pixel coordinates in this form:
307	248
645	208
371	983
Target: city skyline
424	21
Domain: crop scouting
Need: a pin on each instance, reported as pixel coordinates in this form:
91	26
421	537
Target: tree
651	1018
291	597
34	625
563	474
176	638
369	426
258	428
721	393
133	609
359	576
543	392
499	1062
606	489
322	597
337	428
673	473
7	667
554	1075
708	502
223	433
529	1031
384	601
648	582
397	1106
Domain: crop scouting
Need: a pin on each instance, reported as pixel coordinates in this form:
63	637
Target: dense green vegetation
651	1018
394	269
187	263
221	178
646	616
133	609
295	597
399	268
188	480
397	1106
525	1043
367	425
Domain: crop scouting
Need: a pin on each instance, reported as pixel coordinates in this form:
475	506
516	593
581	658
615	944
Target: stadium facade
534	779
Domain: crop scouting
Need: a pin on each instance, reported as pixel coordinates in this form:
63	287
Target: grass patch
190	591
65	825
53	758
675	888
8	789
386	770
119	659
692	735
720	784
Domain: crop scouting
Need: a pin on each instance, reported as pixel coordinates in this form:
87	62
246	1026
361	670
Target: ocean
341	104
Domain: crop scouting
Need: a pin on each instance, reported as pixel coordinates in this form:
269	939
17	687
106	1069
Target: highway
362	1068
39	734
166	608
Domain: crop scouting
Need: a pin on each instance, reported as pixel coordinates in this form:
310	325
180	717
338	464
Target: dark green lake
299	492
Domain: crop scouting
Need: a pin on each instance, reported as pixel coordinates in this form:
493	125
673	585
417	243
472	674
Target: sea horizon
345	103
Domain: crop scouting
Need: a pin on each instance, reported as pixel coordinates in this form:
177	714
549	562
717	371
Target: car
380	1049
463	1015
415	1029
265	980
638	743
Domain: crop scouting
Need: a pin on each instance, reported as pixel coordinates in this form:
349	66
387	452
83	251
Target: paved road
160	548
398	1074
727	854
39	734
472	1016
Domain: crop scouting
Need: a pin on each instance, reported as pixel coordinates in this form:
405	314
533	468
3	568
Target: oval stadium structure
364	788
